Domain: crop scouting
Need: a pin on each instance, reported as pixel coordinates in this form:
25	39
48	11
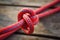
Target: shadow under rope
53	20
51	23
5	22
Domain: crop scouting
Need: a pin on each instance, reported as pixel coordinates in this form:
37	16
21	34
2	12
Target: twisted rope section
27	18
30	21
32	18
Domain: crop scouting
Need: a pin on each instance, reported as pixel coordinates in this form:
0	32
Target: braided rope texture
27	18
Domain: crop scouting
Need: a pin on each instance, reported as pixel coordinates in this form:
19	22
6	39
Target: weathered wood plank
8	16
47	25
25	2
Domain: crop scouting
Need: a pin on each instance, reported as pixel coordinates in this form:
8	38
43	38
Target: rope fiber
27	18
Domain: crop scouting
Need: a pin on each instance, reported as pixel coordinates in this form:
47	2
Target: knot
30	19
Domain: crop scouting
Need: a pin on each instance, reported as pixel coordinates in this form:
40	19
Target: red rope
27	18
39	10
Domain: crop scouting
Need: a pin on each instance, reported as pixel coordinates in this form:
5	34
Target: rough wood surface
48	25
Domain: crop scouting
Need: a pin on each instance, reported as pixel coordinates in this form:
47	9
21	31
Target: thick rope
27	18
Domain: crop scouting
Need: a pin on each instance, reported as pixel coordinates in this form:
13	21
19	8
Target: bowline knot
30	19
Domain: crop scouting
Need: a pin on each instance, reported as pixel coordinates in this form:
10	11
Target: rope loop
30	20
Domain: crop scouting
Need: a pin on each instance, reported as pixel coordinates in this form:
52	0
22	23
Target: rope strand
27	18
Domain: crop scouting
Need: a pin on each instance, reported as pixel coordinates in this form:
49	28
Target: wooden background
49	25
